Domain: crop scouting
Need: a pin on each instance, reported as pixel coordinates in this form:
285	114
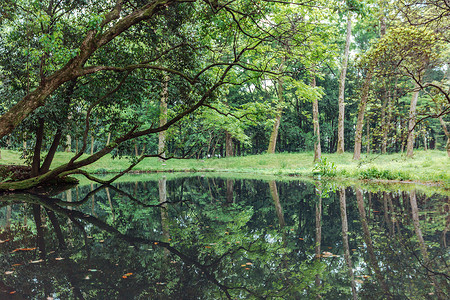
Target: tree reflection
184	239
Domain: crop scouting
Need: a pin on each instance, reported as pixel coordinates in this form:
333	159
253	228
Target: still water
213	238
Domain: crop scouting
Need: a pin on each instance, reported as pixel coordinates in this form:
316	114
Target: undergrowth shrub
324	168
375	173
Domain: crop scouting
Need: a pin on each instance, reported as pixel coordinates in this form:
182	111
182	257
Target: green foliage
325	168
375	173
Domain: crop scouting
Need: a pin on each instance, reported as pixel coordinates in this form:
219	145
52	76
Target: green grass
426	166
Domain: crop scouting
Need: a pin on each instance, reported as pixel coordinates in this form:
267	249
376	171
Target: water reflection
208	238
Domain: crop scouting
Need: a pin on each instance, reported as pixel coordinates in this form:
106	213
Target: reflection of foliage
219	243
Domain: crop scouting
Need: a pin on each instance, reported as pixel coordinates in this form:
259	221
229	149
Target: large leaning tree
70	65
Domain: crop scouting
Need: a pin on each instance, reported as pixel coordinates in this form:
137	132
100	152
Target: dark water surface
212	238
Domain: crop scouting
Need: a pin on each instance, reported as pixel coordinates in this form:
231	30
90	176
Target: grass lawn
428	165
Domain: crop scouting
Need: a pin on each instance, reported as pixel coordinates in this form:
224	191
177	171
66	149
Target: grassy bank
425	166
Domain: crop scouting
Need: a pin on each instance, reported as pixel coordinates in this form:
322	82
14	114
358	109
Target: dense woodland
207	78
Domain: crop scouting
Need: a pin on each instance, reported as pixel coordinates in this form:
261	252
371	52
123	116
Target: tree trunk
422	246
412	122
341	104
387	124
230	191
274	134
51	152
92	143
276	200
361	112
425	142
368	136
315	105
276	125
108	140
369	243
68	143
318	238
228	145
36	164
447	134
163	117
348	260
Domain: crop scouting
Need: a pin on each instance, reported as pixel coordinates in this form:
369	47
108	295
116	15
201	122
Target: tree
78	41
341	104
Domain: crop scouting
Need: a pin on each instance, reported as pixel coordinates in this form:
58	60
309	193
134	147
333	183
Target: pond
202	237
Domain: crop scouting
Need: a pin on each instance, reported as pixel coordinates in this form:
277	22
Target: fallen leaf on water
9	272
24	249
13	292
36	261
59	258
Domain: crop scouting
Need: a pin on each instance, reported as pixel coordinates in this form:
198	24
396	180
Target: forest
211	149
207	79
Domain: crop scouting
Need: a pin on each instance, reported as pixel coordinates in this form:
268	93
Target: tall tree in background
163	117
341	103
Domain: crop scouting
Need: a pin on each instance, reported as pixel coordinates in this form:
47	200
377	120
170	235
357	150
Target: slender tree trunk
341	104
318	238
163	116
447	134
108	140
276	200
162	189
423	246
368	136
230	190
228	145
108	195
36	164
51	152
276	125
369	244
412	122
68	143
361	112
387	123
348	260
92	143
315	108
425	142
